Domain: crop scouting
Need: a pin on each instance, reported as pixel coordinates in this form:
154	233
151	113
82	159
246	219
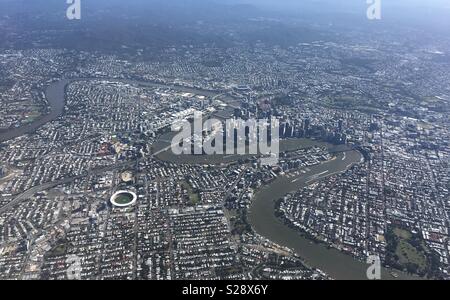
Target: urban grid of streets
191	218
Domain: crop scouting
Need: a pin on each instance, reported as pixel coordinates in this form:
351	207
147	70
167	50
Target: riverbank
55	95
262	215
263	219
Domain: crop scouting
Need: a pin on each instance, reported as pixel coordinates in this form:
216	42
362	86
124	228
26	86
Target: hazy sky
416	3
435	13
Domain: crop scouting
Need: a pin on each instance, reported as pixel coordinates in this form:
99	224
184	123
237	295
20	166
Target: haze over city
224	140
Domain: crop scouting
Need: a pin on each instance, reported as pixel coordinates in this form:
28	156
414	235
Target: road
29	193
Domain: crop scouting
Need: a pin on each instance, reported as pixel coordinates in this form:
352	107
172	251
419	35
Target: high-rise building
307	124
341	125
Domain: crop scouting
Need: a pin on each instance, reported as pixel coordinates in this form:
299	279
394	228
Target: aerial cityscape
353	181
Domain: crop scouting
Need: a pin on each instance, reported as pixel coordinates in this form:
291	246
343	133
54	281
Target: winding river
262	213
55	97
262	217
